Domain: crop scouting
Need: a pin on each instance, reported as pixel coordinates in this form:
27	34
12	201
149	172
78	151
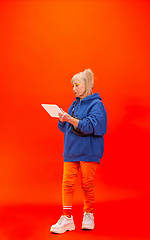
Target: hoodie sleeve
95	122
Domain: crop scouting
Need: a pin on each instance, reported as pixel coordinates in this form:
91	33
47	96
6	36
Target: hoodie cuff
61	123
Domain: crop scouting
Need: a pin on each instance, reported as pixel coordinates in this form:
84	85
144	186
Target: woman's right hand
61	114
65	117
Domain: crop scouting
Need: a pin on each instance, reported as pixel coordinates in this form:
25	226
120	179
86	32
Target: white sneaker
64	224
88	221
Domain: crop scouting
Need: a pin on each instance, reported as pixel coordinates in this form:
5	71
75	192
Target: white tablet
52	109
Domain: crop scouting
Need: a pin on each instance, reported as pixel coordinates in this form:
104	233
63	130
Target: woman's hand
65	117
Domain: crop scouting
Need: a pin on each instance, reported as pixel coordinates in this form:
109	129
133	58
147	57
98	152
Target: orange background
42	45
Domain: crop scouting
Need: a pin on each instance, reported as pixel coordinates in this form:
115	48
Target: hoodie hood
90	97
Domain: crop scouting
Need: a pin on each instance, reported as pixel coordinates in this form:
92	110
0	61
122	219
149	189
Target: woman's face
79	89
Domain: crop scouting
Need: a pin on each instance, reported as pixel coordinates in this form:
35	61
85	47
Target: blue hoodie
94	121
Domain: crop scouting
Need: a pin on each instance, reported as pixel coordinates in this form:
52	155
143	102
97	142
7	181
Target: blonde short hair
87	77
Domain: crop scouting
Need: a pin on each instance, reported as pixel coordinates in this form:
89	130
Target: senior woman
84	127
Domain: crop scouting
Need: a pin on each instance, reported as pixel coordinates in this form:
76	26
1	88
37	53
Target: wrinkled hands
65	117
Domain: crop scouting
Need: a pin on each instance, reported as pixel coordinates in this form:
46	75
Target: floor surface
116	220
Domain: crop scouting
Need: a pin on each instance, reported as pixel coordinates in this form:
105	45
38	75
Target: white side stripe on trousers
67	207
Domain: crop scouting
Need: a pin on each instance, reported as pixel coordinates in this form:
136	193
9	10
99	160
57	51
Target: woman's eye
77	85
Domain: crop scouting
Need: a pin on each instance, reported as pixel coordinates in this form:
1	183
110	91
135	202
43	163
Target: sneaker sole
70	228
87	227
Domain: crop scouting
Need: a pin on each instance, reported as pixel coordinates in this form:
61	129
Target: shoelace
88	217
61	219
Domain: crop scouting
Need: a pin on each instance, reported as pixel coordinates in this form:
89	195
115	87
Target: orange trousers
70	172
